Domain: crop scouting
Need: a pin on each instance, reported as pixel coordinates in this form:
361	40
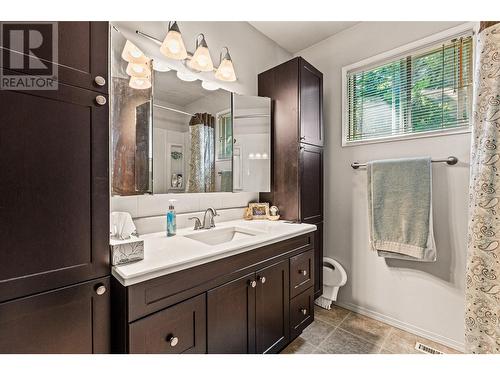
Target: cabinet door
311	184
74	319
178	329
82	54
311	104
54	194
318	260
272	308
231	317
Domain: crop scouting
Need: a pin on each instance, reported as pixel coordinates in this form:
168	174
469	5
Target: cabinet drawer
301	272
301	312
177	329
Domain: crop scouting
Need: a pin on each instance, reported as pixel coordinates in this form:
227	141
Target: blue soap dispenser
171	224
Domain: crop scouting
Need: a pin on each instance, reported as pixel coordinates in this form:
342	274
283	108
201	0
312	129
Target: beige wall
425	298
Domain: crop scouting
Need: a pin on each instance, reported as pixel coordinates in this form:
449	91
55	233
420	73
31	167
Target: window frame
419	46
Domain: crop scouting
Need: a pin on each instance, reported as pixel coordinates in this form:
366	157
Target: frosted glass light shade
160	66
140	83
133	54
201	60
225	71
173	46
138	70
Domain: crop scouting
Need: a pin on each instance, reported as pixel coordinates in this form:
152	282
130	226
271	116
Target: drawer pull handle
100	289
172	340
101	100
252	283
262	279
99	81
303	311
303	272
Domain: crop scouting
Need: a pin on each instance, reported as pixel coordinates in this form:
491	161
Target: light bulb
173	46
132	54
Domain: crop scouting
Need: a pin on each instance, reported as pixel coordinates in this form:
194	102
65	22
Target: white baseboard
404	326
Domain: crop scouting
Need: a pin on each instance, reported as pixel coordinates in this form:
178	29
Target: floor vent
426	349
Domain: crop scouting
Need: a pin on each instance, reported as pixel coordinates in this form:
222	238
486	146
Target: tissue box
126	251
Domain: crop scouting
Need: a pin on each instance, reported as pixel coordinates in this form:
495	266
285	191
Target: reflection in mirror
252	143
192	133
131	127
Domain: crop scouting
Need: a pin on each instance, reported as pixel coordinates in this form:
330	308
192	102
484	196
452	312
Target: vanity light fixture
201	59
138	70
185	76
225	71
173	46
140	83
210	86
160	66
132	54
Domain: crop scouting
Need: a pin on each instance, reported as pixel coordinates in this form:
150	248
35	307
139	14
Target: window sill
405	137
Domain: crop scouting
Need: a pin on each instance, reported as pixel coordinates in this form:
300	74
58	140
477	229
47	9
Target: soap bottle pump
171	222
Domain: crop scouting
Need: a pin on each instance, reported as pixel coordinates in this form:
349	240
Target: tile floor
340	331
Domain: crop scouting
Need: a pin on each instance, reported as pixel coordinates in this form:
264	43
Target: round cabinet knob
99	81
262	279
303	272
303	311
100	289
252	283
101	100
173	340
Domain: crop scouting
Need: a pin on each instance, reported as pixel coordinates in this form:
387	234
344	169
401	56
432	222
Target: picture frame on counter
259	211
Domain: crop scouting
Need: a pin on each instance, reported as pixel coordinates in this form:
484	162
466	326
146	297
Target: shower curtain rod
450	160
172	109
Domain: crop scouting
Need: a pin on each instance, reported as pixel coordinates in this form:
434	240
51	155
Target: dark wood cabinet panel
311	104
73	319
272	304
301	272
311	184
231	317
178	329
82	54
301	312
318	260
54	195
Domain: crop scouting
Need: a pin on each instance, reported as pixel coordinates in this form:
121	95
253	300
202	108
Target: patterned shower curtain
202	161
482	310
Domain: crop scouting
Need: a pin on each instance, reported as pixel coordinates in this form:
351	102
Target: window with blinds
427	90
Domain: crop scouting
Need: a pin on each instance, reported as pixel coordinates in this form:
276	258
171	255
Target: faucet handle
197	222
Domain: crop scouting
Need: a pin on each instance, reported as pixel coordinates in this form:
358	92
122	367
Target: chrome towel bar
450	160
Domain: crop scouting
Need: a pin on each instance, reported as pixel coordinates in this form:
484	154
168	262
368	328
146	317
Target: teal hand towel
399	198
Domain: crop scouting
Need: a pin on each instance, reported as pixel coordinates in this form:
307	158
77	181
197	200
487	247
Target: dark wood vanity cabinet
296	90
54	203
246	298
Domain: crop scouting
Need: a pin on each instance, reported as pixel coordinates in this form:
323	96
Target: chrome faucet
211	212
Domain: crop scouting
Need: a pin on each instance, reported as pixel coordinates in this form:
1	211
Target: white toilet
334	276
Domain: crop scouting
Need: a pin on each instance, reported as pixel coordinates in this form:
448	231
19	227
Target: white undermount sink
218	236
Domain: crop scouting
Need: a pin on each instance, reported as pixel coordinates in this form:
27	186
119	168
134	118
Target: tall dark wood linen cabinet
296	90
54	203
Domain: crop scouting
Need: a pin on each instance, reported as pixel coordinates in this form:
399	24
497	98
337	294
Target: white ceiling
294	36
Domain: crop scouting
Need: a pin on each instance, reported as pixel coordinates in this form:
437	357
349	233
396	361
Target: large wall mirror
176	136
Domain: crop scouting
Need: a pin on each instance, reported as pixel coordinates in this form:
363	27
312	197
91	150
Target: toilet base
323	302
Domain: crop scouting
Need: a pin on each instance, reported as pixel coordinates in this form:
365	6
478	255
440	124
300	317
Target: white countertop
164	255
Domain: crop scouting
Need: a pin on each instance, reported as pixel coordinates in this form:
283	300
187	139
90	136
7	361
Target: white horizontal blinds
426	90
